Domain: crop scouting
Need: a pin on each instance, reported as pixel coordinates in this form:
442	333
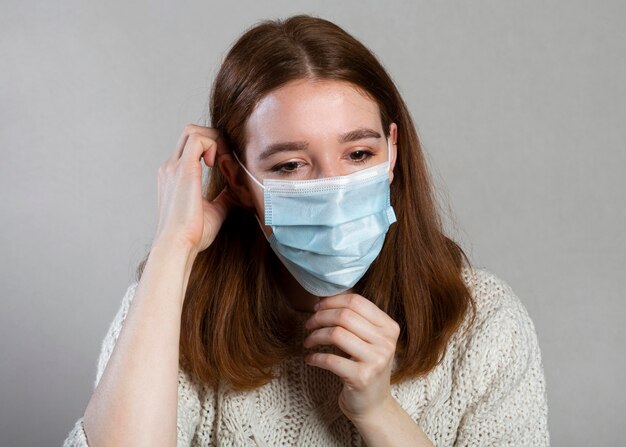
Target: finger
358	304
341	338
340	366
221	152
346	318
195	148
224	204
189	129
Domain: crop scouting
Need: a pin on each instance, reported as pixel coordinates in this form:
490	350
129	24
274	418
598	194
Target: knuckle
380	362
328	360
364	377
336	334
163	170
168	169
395	329
344	316
193	137
197	138
354	302
189	128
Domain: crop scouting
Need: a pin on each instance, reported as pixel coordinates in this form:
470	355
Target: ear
235	177
393	136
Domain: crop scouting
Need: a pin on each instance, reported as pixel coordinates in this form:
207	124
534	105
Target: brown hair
235	325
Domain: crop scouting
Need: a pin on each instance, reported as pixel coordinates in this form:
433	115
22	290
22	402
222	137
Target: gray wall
520	106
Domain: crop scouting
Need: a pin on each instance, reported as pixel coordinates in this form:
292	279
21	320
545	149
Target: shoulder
501	342
495	301
498	369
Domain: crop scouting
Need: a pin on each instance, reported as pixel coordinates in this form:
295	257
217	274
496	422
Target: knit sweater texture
489	389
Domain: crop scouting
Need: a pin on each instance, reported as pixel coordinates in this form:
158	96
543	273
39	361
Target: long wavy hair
236	326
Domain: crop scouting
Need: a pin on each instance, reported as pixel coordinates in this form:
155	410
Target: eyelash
279	168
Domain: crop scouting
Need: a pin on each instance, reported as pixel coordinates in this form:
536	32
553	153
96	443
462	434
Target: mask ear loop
261	226
389	154
258	183
248	172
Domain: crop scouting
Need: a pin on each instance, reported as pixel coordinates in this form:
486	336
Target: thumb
224	203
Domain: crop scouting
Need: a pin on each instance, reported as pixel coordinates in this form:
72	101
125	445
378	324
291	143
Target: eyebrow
361	133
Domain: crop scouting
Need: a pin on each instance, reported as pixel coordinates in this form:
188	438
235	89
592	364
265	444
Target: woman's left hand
368	336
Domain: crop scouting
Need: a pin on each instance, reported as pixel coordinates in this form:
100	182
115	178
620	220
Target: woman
311	298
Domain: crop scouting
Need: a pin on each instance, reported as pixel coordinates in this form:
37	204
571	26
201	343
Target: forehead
310	110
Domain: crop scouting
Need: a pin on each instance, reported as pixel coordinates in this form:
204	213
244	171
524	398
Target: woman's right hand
185	216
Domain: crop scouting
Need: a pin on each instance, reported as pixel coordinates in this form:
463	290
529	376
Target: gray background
518	105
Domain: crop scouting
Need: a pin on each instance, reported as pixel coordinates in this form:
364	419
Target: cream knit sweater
489	390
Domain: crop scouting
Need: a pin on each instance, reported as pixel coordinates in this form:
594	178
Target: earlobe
232	172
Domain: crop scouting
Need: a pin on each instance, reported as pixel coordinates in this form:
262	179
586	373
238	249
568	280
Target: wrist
174	253
171	244
169	257
388	424
377	416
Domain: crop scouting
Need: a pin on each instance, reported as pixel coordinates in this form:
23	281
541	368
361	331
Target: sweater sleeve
188	398
507	401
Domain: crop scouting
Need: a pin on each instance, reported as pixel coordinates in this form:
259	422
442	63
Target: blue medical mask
328	231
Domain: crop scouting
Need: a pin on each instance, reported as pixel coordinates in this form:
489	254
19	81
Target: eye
290	166
360	156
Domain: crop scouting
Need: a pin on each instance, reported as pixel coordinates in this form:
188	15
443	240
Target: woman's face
313	129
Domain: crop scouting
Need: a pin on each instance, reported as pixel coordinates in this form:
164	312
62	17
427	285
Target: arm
135	400
391	426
